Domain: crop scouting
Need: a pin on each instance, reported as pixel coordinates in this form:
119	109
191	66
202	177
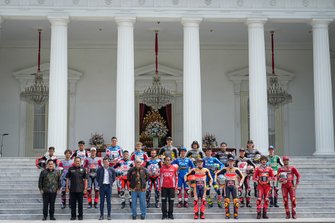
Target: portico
193	109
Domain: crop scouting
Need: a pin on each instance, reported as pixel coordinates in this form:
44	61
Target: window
40	127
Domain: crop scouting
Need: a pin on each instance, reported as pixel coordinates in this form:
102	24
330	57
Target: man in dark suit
105	178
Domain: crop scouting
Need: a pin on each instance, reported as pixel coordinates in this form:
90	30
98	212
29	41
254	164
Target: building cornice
170	10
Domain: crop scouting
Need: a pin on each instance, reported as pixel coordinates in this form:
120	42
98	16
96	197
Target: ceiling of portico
170	32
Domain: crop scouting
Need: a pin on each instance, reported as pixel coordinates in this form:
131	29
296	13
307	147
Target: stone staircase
20	198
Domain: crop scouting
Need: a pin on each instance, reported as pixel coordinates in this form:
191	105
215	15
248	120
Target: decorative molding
171	77
172	9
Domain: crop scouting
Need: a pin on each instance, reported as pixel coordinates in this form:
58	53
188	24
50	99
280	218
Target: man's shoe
44	218
170	216
63	206
196	215
248	205
123	205
164	217
142	217
109	217
210	205
134	217
157	205
89	206
148	204
202	215
265	216
241	205
180	204
227	216
80	218
95	205
73	218
101	218
185	204
219	204
52	218
288	216
259	215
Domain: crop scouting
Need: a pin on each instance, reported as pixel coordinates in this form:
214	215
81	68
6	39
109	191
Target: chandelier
156	96
38	92
277	95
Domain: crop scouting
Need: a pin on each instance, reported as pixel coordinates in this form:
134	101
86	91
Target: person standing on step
274	162
194	153
138	177
114	152
184	165
76	183
200	179
263	175
223	154
233	178
168	150
49	185
246	166
122	181
105	178
80	152
254	155
153	166
169	184
213	165
139	153
92	164
41	162
64	166
286	176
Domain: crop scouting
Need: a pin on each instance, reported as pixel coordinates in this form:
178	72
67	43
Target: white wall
96	92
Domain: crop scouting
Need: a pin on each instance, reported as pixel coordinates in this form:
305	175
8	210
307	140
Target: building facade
214	55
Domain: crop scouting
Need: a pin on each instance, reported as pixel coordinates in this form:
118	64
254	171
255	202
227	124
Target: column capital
320	23
254	22
60	20
191	22
125	20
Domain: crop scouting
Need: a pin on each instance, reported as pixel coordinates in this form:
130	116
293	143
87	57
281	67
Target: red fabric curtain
142	110
168	117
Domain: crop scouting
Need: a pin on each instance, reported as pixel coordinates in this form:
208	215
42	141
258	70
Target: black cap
250	141
168	138
242	149
231	158
81	142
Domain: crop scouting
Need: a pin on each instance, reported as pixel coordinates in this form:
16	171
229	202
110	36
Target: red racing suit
263	175
286	177
92	165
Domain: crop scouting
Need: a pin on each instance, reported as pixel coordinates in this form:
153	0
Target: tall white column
323	102
125	86
258	85
192	82
57	117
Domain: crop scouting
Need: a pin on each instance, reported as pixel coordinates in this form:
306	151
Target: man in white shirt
105	178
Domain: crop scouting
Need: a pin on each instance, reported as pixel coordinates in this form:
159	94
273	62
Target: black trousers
74	198
168	195
49	201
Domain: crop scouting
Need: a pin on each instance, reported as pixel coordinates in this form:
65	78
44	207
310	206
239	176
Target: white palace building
97	57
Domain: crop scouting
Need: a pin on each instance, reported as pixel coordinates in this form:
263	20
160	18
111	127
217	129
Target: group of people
169	172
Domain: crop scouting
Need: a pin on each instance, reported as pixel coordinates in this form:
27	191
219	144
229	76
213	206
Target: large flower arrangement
156	129
209	141
97	139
